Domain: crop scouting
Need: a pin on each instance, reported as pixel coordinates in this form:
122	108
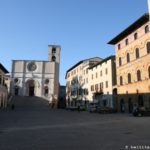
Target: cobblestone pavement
32	125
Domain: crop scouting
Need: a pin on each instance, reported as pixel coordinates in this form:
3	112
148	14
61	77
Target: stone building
77	81
132	47
37	77
3	88
102	81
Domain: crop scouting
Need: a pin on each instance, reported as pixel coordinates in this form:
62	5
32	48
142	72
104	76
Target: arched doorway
31	87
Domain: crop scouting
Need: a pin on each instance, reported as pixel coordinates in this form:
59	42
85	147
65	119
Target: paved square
37	127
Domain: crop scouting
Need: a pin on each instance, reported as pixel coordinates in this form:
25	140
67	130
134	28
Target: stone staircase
29	102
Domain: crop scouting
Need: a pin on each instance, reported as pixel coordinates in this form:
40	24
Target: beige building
92	79
3	88
37	78
102	81
77	80
132	48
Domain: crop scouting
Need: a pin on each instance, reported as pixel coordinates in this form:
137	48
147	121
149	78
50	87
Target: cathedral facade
37	77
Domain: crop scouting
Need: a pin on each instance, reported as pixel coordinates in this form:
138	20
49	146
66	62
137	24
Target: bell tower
54	53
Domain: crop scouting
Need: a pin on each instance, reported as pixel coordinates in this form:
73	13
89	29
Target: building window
86	71
85	91
128	57
92	76
121	80
137	53
106	71
53	50
86	80
101	85
106	84
53	58
148	47
138	75
96	87
118	46
129	78
135	36
120	61
146	29
96	74
32	66
126	42
101	73
92	87
149	72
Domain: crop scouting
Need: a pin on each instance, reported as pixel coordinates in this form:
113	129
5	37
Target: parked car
141	111
105	110
82	107
72	108
92	107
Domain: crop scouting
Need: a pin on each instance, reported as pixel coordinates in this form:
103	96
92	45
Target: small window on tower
53	50
53	58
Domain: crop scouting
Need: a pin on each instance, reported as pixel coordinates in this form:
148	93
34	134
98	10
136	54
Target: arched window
126	42
148	47
137	55
146	29
121	80
149	72
129	78
118	46
138	75
53	58
53	50
128	57
135	36
120	61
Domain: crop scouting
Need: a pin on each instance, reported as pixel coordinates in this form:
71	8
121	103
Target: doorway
31	91
31	87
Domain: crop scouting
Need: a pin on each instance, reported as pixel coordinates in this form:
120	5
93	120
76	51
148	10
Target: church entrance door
31	91
31	87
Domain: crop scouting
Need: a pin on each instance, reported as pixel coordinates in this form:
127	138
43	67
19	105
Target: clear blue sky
81	27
